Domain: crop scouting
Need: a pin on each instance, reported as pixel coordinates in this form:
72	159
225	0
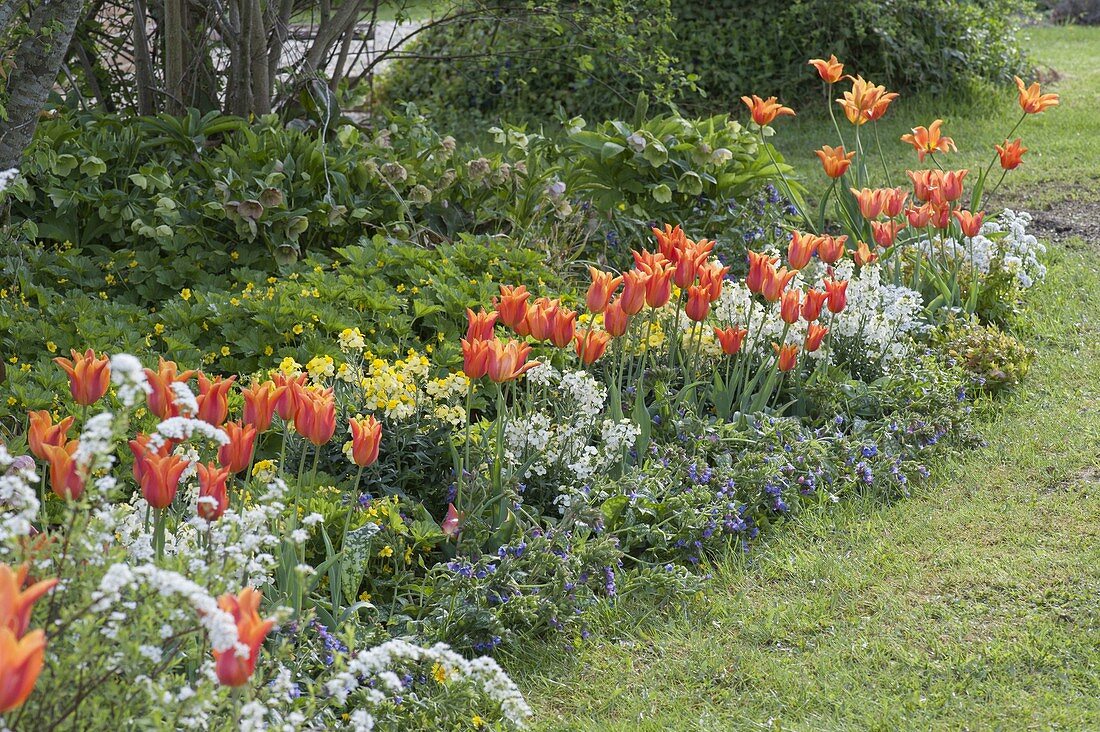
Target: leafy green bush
996	359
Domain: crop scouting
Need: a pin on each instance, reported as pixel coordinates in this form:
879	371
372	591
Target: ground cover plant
346	508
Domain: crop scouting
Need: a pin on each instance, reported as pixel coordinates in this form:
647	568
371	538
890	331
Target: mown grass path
975	604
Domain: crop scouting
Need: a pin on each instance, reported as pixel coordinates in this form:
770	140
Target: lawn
974	603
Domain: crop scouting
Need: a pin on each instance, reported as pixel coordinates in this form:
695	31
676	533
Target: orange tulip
865	102
563	327
838	294
893	201
366	438
811	306
787	356
286	403
758	266
831	248
237	453
66	478
259	404
139	446
601	290
591	345
1011	153
764	111
316	417
698	303
775	281
41	431
834	160
512	305
924	182
475	358
20	664
814	335
919	217
951	186
161	478
928	140
712	277
731	338
89	377
687	266
213	493
162	400
670	240
650	262
508	361
863	254
634	289
830	71
870	202
789	306
1032	101
886	232
970	223
615	319
540	318
801	249
880	105
213	398
17	603
481	324
658	288
941	215
231	668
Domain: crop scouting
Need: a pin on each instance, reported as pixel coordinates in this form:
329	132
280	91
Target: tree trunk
174	55
143	62
34	70
257	60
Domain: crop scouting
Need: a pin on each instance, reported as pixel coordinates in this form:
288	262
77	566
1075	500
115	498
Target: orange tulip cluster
483	354
21	652
233	668
865	102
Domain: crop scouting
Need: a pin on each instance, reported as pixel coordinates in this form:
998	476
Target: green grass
975	604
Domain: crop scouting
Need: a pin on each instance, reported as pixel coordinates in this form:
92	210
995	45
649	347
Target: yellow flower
234	256
158	328
439	672
14	359
320	366
268	350
234	301
185	294
25	367
290	367
298	329
51	346
477	721
386	551
364	596
264	471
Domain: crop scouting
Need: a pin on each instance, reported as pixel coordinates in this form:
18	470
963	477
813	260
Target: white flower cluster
879	317
1002	245
377	665
18	501
129	377
7	176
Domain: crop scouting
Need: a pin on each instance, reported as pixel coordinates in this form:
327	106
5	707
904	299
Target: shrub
994	358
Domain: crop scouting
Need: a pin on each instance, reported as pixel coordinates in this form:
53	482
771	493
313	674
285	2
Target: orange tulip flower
237	453
601	290
89	377
1011	153
919	216
634	289
20	664
831	248
790	305
563	326
870	200
286	403
615	319
591	345
670	240
161	478
834	160
941	215
712	277
838	294
66	477
508	361
259	404
775	281
886	232
928	140
863	254
731	339
512	305
41	431
811	306
1032	101
366	438
232	668
698	303
786	356
316	417
139	446
540	318
658	288
764	111
16	603
162	401
480	324
814	335
213	492
859	104
213	398
650	262
970	223
924	182
691	258
475	358
880	105
830	71
758	265
893	201
801	249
